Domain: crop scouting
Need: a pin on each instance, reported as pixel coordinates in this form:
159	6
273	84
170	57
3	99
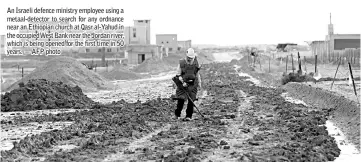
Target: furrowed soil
243	121
341	99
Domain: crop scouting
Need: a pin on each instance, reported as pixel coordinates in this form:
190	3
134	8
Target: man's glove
185	84
180	79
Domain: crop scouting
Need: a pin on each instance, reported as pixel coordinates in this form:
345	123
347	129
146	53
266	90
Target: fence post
335	73
299	63
353	82
22	72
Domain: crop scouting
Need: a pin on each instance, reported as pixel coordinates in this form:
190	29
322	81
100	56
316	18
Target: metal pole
335	73
22	72
299	63
353	82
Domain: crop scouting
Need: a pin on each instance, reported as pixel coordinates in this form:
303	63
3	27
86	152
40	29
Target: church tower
330	27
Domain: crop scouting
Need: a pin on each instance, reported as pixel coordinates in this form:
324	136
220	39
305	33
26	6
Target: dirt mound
153	65
120	73
295	77
235	62
346	114
69	71
39	94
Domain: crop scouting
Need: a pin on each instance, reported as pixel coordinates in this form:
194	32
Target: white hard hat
190	53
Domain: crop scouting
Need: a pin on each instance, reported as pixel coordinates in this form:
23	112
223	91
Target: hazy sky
226	22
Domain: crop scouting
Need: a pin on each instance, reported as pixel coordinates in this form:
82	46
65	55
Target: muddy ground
244	121
341	98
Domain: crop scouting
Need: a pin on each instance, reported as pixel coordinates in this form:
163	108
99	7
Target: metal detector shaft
190	99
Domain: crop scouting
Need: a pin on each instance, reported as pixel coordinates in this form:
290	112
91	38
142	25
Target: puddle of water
66	147
132	91
11	133
226	56
252	79
161	76
292	100
348	151
11	115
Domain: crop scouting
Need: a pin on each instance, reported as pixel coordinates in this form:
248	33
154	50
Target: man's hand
180	78
185	84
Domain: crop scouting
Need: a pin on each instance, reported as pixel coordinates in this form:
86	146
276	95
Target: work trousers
189	110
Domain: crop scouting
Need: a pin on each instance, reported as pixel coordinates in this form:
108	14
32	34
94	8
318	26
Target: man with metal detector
188	82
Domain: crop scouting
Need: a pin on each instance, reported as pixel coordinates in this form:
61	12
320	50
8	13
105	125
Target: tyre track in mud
244	122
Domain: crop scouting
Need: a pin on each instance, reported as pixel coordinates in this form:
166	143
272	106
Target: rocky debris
296	77
296	127
40	94
235	62
344	111
223	142
116	120
292	133
69	71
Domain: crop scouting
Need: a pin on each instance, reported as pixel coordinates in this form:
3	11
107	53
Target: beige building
184	45
138	53
2	44
168	41
139	33
336	45
341	42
